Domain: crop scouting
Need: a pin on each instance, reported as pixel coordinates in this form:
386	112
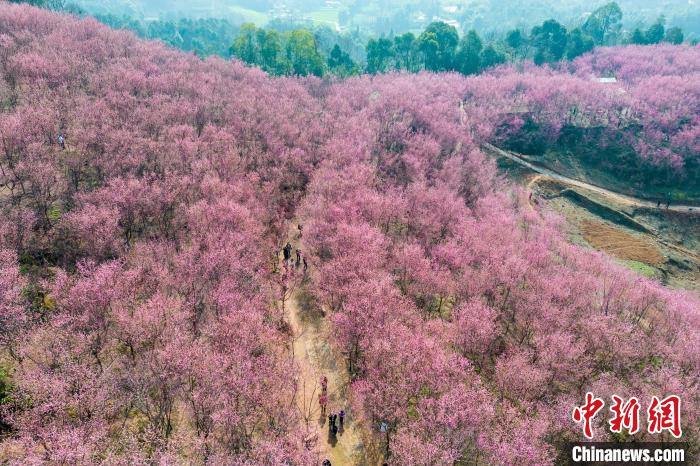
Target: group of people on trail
333	428
300	259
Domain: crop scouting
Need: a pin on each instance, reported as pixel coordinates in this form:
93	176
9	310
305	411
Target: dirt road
315	357
618	197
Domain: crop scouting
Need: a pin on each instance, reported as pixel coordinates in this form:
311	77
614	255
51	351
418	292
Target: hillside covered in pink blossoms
139	316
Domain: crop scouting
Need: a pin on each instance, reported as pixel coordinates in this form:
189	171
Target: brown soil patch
621	244
546	185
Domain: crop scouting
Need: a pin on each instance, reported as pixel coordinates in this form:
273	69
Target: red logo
587	412
665	415
661	415
626	415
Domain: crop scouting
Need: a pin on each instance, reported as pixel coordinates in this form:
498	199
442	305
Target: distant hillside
385	16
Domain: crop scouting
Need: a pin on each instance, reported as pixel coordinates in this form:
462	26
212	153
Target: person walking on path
323	401
332	428
341	417
62	141
324	383
298	262
287	251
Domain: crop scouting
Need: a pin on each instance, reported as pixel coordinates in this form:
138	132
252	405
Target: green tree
674	35
604	24
121	22
340	63
245	46
302	54
550	40
656	31
379	54
491	57
270	48
578	43
439	43
514	39
406	53
637	37
469	55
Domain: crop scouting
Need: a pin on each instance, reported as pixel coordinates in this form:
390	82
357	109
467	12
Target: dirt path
618	197
315	357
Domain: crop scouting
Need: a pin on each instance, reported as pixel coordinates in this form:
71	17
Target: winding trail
314	358
618	197
612	195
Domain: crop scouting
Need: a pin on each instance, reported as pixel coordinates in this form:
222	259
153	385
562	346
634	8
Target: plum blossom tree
12	315
529	316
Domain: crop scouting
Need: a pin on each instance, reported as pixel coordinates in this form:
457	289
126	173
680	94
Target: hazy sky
374	15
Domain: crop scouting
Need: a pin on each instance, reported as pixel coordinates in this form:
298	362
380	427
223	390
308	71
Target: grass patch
256	17
5	386
6	389
325	15
641	268
54	214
